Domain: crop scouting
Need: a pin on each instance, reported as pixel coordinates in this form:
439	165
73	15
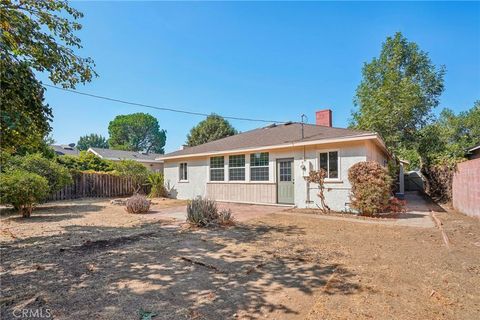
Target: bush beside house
371	187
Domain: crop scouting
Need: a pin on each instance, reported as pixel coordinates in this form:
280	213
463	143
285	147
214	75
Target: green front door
285	180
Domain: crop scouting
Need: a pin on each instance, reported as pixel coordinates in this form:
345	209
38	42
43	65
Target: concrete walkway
418	214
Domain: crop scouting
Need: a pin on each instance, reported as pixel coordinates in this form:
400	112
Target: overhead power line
156	107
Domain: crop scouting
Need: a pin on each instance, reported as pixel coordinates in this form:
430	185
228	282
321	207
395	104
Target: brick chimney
323	118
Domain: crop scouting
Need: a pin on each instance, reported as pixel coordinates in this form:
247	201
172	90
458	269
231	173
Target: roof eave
367	136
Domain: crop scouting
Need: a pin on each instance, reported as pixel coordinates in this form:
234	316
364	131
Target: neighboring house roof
473	152
117	155
477	147
276	136
65	149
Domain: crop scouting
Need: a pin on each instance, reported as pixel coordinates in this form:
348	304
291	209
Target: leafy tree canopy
41	33
56	175
214	127
446	140
92	141
24	120
136	132
397	93
85	161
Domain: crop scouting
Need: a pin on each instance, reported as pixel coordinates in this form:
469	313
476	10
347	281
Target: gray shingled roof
270	136
125	155
64	150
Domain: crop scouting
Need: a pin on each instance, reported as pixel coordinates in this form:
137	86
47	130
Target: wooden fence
95	185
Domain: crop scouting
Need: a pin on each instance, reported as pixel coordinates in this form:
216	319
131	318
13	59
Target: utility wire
155	107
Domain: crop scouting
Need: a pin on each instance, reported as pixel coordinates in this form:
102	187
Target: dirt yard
91	260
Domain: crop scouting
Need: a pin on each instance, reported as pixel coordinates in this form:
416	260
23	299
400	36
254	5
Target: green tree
136	132
213	128
397	93
41	33
445	140
85	161
56	175
24	120
37	35
92	140
23	190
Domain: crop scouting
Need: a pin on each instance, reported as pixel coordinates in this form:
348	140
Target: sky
264	60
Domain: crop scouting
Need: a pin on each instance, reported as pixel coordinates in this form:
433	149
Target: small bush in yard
371	187
225	217
137	204
23	190
204	212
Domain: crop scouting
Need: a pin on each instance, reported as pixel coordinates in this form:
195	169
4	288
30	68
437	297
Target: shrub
371	187
439	181
133	170
56	175
85	161
226	218
156	181
202	212
318	177
137	204
23	190
396	206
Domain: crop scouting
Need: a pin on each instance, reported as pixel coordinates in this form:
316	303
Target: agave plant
202	212
156	181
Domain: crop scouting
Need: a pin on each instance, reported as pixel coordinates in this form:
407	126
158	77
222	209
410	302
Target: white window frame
180	171
210	169
244	168
265	166
328	179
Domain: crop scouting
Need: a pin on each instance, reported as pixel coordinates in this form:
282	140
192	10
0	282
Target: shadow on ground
113	273
54	213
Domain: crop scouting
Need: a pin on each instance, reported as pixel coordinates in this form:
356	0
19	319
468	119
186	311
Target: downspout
307	186
304	167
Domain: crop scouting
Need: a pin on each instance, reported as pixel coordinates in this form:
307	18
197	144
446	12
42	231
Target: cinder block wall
466	188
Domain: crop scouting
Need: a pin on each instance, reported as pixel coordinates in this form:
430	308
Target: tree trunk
26	211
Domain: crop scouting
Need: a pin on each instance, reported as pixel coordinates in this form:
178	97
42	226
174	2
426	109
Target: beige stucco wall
337	190
154	166
197	178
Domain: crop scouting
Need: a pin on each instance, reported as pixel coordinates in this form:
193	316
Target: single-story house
268	165
147	159
65	149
